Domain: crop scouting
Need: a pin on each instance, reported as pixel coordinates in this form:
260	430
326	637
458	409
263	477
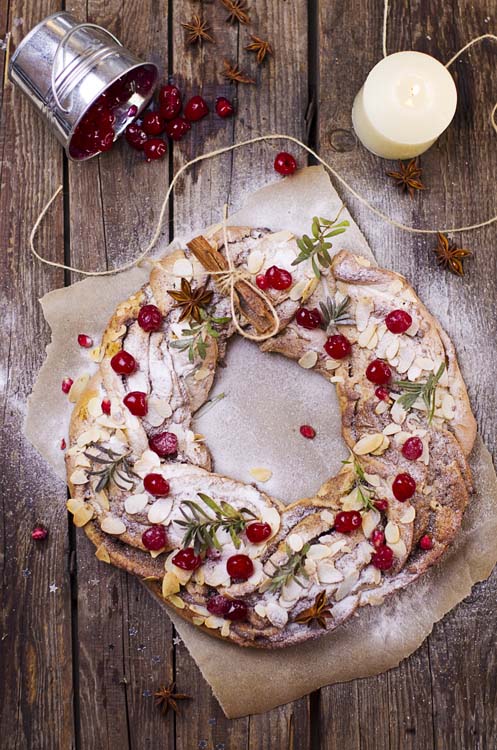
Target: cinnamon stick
247	301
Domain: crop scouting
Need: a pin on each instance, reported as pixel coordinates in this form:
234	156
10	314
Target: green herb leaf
316	248
426	390
201	527
290	570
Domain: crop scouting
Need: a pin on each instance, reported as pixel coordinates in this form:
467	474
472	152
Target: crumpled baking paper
257	423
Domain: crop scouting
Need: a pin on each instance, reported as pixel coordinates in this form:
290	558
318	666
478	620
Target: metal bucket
64	66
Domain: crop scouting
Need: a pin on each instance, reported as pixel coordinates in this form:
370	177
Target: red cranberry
169	102
347	521
258	532
338	346
153	124
136	401
154	538
106	140
106	405
382	393
285	163
278	278
383	558
154	149
39	533
240	567
196	108
261	281
307	431
412	448
378	372
377	538
219	605
186	559
164	444
63	444
308	318
224	107
156	485
85	341
66	385
398	321
237	611
426	542
123	363
150	318
177	128
403	487
136	136
381	505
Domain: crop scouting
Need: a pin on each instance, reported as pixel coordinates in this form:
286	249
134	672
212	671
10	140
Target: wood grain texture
100	631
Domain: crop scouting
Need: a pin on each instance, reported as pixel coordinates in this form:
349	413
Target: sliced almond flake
448	406
392	348
366	335
117	334
183	268
201	374
260	474
401	437
183	576
78	387
135	503
225	630
363	261
113	525
336	379
297	290
318	551
176	601
73	504
199	609
398	413
78	477
383	447
83	515
276	615
347	585
160	510
398	548
73	450
292	591
408	515
199	576
255	261
406	358
368	443
102	554
413	373
373	342
309	567
328	517
170	585
381	330
148	463
308	360
309	288
260	610
155	553
352	501
338	546
327	573
372	479
295	542
363	310
97	354
395	286
376	576
392	532
93	435
381	407
370	521
273	518
161	405
413	328
82	462
425	363
212	622
198	620
102	500
332	364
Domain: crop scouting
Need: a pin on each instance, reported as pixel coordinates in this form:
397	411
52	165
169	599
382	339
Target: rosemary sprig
426	390
316	248
335	314
290	570
365	491
112	467
195	339
201	528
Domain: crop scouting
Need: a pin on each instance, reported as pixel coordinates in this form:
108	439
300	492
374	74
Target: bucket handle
60	46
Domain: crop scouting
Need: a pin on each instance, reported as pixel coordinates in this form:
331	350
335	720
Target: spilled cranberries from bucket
412	448
347	521
164	444
169	102
154	538
307	431
177	128
398	321
196	108
123	363
135	136
136	401
383	558
154	149
153	124
258	532
240	567
224	107
156	485
309	319
150	318
186	559
378	372
285	163
338	346
278	278
403	487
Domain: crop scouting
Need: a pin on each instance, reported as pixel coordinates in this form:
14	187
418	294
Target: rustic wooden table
79	664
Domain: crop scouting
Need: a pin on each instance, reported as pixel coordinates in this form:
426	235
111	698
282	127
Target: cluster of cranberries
274	278
143	134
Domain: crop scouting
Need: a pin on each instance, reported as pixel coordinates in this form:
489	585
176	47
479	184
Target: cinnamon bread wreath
225	555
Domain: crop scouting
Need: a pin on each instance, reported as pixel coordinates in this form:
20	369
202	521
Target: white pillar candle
407	101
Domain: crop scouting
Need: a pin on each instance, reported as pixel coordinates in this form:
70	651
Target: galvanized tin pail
64	67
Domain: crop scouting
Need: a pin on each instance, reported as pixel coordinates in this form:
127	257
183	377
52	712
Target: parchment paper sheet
256	424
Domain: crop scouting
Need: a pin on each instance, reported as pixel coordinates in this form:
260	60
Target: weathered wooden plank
125	641
35	641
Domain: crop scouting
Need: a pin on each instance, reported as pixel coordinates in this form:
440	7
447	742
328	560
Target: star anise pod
408	178
259	46
191	300
237	11
233	73
198	31
166	698
450	256
317	613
